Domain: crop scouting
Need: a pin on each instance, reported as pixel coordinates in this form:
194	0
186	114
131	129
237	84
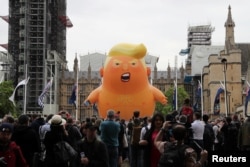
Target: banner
2	78
43	94
184	52
72	99
217	100
23	82
247	99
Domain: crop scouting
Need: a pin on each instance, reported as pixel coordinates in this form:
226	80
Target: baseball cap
6	127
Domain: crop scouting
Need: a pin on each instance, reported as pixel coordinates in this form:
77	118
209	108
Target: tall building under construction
37	45
200	35
197	35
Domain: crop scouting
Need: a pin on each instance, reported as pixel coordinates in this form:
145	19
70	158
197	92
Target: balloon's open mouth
125	77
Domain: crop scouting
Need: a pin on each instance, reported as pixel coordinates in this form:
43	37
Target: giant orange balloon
125	86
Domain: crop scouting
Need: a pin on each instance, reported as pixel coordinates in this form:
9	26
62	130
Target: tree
181	96
6	106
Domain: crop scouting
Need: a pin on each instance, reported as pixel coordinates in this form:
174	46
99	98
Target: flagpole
25	90
200	84
50	92
77	93
176	95
224	61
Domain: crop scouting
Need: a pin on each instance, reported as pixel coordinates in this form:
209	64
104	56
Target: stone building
86	81
227	69
163	80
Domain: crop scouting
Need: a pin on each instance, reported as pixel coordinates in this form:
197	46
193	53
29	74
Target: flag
5	46
23	82
95	109
72	99
195	107
43	94
217	96
5	18
2	79
183	52
197	97
217	99
198	91
247	98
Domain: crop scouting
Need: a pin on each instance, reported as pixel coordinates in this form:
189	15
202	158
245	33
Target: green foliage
181	96
6	106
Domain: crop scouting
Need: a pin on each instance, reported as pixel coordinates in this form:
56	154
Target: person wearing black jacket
74	133
27	138
92	152
74	137
57	133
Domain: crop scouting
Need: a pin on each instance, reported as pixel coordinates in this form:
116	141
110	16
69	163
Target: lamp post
224	61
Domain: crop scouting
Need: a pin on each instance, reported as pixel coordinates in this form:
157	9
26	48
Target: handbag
64	152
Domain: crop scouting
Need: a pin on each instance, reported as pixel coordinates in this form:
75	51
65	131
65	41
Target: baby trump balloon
125	85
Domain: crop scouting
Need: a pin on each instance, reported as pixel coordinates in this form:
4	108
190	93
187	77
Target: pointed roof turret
89	71
169	67
229	25
155	71
155	67
75	63
76	69
169	71
229	22
89	67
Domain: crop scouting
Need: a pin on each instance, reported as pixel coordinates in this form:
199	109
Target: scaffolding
34	30
200	35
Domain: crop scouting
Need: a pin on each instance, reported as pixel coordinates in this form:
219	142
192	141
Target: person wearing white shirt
197	127
145	128
216	128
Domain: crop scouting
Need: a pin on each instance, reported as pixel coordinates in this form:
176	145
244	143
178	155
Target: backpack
233	131
188	111
136	133
208	136
63	152
173	156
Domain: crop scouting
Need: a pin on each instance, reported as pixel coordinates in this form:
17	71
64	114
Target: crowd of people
181	138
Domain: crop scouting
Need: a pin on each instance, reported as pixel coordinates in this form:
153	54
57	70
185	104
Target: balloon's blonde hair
137	51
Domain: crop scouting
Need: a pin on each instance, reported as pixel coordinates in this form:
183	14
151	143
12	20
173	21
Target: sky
161	25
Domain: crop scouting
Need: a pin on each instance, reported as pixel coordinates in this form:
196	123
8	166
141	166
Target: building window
69	88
